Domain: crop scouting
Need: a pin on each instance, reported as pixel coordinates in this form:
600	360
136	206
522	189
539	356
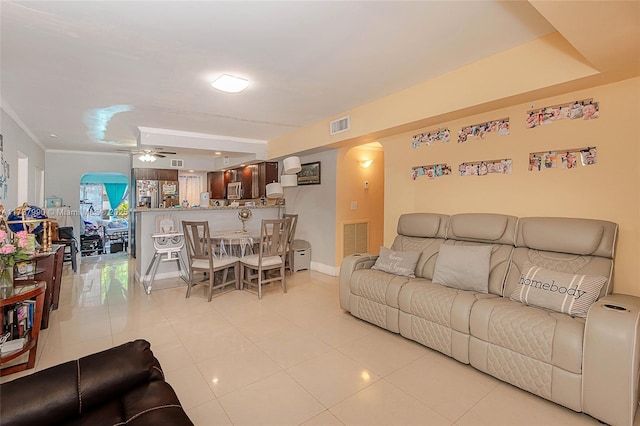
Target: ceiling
100	76
93	72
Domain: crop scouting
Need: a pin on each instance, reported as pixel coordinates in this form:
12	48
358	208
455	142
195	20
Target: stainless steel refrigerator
147	194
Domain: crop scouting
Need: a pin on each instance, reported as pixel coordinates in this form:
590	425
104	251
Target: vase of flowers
12	250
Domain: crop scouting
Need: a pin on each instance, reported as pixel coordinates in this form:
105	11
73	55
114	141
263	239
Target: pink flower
7	249
23	239
3	235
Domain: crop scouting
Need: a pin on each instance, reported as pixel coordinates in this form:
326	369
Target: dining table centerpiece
244	215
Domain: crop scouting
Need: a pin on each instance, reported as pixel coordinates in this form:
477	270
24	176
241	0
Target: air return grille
355	238
340	125
178	164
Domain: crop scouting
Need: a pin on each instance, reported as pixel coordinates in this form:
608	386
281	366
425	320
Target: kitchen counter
171	210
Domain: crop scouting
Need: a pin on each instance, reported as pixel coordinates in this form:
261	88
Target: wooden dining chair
292	233
202	258
256	269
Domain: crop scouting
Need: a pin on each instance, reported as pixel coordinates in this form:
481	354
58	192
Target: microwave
234	190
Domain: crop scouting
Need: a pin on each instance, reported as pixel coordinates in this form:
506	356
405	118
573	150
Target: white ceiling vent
340	125
178	164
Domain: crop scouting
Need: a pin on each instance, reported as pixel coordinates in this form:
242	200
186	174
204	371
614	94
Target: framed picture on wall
310	174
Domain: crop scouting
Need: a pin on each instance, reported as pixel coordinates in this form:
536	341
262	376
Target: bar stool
66	238
167	241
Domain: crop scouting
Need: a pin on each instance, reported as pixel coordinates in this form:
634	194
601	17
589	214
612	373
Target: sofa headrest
100	378
427	225
483	227
568	235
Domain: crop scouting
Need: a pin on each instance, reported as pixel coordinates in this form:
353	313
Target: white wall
191	162
16	139
65	168
316	207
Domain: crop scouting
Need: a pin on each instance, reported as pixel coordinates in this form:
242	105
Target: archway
104	213
360	200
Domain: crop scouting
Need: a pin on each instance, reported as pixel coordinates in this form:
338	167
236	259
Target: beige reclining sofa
526	300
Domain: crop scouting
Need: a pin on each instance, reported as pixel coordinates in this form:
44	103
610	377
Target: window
190	188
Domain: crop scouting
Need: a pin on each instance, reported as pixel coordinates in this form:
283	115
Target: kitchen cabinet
250	187
254	178
167	174
144	174
217	185
155	174
267	173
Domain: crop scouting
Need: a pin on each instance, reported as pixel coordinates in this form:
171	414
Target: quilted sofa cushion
437	316
374	297
573	246
423	232
534	349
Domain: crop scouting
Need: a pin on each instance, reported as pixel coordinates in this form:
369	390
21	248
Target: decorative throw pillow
463	267
559	291
397	262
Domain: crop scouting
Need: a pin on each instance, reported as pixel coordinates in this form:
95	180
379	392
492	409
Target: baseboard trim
325	269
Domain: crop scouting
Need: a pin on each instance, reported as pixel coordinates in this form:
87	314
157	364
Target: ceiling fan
150	155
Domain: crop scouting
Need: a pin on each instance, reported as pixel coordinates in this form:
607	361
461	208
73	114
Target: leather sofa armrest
349	265
611	359
65	391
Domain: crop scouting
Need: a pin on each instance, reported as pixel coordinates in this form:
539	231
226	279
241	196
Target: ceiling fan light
147	158
230	84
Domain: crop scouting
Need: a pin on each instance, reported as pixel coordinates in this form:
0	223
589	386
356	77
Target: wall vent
178	164
340	125
355	238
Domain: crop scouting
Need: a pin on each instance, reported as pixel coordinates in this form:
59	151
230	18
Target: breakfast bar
221	219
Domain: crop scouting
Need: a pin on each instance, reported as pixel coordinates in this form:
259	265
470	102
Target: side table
17	295
48	269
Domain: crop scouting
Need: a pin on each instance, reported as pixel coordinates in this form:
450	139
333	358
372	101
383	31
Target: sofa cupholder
615	307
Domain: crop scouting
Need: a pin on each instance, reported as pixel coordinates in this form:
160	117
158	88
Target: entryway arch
360	200
104	213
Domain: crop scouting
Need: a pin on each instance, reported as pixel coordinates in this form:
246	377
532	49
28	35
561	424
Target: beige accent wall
546	62
609	190
350	187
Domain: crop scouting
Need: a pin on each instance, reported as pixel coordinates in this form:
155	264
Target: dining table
235	242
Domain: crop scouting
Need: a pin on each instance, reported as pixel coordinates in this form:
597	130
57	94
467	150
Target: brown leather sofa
122	385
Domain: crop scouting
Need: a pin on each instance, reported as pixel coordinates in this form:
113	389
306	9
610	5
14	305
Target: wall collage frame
585	109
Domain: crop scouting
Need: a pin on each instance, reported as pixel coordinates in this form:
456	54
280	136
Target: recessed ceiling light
230	84
53	135
218	153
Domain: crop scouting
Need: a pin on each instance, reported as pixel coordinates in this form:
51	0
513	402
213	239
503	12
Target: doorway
23	178
104	214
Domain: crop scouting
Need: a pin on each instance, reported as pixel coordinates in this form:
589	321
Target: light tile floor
290	359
